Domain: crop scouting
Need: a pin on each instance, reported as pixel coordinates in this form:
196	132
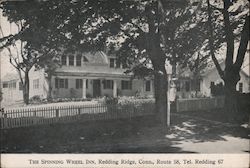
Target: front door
96	88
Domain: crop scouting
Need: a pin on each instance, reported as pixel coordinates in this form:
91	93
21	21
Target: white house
211	76
188	87
81	75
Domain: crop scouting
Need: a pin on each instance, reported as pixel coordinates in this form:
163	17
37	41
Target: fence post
5	123
57	114
177	105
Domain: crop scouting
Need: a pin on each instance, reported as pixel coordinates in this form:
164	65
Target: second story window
118	64
71	60
78	60
36	84
124	65
64	60
111	62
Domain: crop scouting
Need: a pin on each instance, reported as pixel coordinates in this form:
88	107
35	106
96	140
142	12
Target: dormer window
71	60
64	60
111	62
78	60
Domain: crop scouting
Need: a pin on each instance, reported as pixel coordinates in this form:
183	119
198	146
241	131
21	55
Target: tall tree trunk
160	81
231	79
49	94
26	87
161	98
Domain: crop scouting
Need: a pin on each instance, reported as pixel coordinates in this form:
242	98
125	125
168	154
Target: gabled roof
95	57
10	77
222	64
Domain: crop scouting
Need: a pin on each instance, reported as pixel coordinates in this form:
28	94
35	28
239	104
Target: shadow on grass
186	128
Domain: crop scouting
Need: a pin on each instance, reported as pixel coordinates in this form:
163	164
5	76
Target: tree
142	32
236	28
38	44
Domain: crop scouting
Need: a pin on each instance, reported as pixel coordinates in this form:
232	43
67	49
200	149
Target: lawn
138	135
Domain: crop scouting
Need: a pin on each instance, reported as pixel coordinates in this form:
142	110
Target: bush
36	99
111	100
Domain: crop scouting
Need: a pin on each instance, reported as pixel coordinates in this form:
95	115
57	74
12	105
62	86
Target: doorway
96	88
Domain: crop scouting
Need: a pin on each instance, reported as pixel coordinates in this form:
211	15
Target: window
124	65
71	60
5	85
148	86
64	60
195	85
240	87
12	85
111	62
212	84
178	86
107	84
20	86
61	83
126	85
78	60
78	83
118	64
36	84
187	86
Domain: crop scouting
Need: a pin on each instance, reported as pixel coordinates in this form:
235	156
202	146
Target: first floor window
148	86
187	86
36	84
61	83
12	85
240	87
108	84
126	85
20	86
78	83
5	85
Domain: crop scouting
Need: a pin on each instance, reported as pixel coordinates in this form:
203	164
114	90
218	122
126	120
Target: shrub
36	99
111	100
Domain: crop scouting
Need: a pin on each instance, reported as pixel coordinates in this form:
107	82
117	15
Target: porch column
115	88
67	60
74	60
84	88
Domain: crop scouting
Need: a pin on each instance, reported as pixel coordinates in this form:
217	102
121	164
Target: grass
141	134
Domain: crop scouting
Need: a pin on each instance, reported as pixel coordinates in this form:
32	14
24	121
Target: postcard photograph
160	77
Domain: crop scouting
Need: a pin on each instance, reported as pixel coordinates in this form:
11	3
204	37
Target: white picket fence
198	104
28	116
